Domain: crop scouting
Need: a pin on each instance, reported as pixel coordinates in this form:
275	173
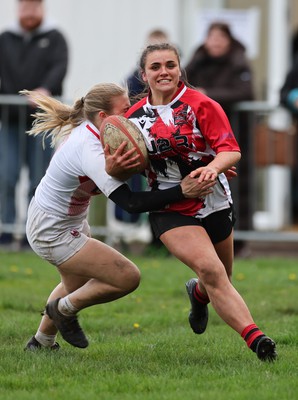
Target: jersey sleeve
215	126
93	164
137	202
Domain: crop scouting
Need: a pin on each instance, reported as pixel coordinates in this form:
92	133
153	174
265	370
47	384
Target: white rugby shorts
54	238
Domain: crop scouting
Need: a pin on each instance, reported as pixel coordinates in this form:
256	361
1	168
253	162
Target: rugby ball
116	129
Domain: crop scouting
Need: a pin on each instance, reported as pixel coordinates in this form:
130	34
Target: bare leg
107	273
225	252
93	279
197	252
46	325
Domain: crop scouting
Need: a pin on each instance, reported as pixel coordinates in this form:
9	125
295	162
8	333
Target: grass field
141	346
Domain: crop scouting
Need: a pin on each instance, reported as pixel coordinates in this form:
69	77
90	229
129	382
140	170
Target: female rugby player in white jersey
57	229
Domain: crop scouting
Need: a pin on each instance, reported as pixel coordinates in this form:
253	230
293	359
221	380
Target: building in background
105	38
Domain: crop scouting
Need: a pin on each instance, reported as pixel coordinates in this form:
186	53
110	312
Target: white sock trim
66	307
45	340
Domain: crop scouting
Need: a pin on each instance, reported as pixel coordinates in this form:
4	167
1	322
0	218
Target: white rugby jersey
75	173
181	136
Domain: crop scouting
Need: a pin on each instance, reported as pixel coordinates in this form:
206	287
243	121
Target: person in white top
57	228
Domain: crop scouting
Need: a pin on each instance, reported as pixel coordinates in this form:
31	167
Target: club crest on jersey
75	233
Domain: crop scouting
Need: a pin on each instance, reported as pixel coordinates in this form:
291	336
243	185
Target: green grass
141	346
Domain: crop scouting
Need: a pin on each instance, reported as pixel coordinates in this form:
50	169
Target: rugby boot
68	326
198	315
34	345
266	349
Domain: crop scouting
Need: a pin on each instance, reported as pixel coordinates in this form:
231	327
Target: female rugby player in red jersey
187	132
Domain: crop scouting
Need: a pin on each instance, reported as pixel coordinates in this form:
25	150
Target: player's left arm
218	134
223	162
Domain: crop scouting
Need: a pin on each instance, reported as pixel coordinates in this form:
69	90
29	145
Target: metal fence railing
262	145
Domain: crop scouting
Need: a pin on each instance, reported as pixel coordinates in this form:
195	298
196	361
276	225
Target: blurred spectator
289	90
289	99
294	45
135	83
219	68
33	56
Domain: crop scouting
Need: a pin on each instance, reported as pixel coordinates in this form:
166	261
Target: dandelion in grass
14	268
292	277
240	277
136	325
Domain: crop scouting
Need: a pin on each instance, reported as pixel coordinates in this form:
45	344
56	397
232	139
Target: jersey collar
92	128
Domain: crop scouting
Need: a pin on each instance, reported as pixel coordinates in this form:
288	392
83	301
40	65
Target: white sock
45	340
66	307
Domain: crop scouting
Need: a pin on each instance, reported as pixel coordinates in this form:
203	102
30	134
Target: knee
131	278
211	275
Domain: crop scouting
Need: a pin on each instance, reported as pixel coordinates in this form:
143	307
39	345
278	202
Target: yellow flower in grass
14	268
136	325
292	277
240	276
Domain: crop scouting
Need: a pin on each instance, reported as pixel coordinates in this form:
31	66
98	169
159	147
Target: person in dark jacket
33	56
289	90
219	68
289	99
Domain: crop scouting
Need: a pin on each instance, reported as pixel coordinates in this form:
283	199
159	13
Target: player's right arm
120	164
137	202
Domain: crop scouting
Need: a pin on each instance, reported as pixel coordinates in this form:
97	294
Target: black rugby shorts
218	225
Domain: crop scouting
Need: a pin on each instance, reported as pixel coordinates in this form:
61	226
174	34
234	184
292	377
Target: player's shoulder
82	139
196	95
198	100
135	107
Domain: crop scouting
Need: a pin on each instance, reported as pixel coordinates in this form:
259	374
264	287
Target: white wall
105	36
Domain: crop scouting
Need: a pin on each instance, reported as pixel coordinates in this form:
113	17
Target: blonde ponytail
53	118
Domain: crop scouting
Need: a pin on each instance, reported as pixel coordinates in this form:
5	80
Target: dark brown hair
156	47
222	26
226	30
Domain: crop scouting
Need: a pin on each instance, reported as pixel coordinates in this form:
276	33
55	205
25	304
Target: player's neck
160	99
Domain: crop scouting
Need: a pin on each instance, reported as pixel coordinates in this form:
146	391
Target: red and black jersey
181	136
